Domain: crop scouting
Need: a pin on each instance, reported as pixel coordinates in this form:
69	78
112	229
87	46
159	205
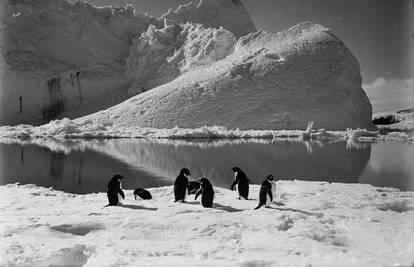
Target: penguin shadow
188	202
136	207
225	208
192	202
278	203
317	214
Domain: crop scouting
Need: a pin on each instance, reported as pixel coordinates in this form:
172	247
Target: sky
380	33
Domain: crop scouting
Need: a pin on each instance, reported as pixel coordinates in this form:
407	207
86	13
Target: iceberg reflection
84	166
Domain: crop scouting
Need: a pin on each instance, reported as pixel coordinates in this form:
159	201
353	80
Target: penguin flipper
233	184
269	192
198	193
121	193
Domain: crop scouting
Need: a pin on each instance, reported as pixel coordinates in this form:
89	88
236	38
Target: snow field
310	224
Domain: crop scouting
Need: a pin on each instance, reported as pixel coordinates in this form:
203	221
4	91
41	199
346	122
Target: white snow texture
311	224
202	64
69	58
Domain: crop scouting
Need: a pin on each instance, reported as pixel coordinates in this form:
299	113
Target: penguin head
185	171
236	169
205	183
270	177
117	176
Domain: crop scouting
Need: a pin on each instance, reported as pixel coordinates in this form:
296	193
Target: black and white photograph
245	133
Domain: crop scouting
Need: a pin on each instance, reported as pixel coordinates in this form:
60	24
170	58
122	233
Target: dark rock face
385	120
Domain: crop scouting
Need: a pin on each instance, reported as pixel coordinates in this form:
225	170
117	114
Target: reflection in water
57	161
21	155
391	164
77	170
83	166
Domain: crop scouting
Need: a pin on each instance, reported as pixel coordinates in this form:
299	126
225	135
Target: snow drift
270	81
69	59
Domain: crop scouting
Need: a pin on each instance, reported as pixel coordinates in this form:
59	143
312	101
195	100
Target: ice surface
67	128
311	223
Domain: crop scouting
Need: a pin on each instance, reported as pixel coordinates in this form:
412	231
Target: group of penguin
183	187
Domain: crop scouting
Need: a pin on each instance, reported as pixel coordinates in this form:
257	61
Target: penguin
242	182
181	189
206	192
142	193
267	191
193	187
115	193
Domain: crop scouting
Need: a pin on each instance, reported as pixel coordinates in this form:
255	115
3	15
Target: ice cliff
201	64
69	59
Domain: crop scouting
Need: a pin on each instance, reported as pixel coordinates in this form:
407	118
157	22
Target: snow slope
270	81
69	58
312	224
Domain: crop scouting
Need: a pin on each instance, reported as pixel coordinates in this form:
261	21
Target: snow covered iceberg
66	58
271	81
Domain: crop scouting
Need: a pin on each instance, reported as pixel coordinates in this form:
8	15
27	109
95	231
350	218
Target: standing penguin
207	193
242	182
267	191
115	193
181	185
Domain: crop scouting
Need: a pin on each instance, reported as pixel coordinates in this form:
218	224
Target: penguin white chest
120	198
273	190
237	194
186	189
